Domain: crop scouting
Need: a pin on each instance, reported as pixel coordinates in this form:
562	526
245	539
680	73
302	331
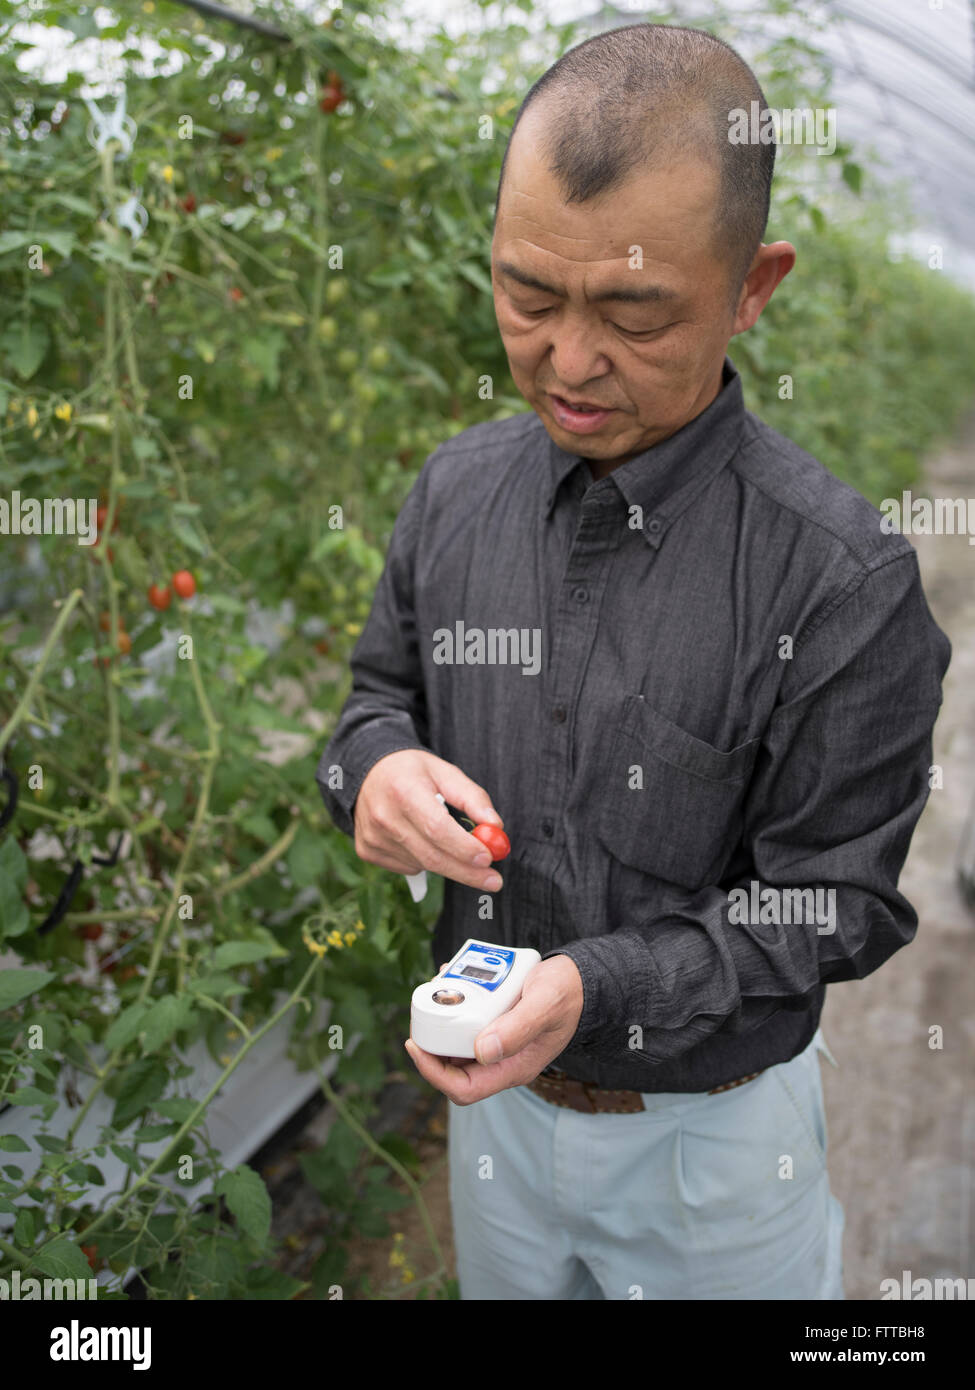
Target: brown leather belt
557	1088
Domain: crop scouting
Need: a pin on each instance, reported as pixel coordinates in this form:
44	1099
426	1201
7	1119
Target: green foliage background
318	380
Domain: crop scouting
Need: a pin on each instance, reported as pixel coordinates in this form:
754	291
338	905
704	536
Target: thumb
512	1031
460	791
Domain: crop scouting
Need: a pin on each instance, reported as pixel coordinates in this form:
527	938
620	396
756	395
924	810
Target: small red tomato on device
494	840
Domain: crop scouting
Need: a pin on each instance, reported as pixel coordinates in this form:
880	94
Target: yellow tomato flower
350	938
167	173
32	416
360	925
408	1276
63	411
353	629
396	1258
334	938
275	153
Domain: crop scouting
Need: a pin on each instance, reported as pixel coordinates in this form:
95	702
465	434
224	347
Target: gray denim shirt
700	692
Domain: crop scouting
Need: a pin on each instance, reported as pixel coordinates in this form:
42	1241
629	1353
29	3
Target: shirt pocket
683	823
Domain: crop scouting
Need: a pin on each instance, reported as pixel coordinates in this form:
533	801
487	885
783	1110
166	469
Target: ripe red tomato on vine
160	597
184	584
333	94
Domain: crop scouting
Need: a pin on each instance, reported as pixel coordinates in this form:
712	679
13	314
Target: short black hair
621	100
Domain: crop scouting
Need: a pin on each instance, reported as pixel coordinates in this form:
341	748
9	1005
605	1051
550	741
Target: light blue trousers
697	1197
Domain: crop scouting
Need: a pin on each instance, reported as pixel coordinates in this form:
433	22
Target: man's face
654	362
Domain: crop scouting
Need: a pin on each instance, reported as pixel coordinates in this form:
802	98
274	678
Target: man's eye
640	332
531	313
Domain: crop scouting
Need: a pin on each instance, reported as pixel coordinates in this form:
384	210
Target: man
693	678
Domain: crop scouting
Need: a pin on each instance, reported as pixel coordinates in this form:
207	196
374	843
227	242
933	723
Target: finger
464	793
442	1072
514	1030
428	832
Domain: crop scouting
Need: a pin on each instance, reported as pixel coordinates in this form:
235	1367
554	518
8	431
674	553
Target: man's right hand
400	824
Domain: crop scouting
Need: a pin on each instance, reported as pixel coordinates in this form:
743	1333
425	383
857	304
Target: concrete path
901	1115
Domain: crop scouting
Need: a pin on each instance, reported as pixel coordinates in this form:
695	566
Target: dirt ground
901	1114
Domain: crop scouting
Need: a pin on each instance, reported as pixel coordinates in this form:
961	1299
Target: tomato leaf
142	1083
247	1197
18	984
62	1259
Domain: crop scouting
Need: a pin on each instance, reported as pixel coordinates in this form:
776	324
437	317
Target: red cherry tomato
494	839
159	597
332	97
91	931
124	643
188	204
184	584
91	1251
101	515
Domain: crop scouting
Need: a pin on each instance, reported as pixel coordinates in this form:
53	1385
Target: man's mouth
581	417
586	406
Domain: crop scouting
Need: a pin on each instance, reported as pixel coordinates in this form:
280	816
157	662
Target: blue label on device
482	965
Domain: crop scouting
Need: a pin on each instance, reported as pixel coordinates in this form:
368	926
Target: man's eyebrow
636	294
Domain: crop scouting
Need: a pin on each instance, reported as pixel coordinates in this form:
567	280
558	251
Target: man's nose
577	353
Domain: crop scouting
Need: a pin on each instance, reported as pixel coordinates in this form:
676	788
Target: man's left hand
513	1049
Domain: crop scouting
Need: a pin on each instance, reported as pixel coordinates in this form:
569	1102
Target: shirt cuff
593	1019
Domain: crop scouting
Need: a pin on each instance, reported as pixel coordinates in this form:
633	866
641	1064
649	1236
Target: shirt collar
663	479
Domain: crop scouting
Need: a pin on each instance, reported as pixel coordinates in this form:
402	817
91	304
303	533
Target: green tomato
366	391
336	421
335	291
339	593
370	321
348	359
328	330
379	356
355	436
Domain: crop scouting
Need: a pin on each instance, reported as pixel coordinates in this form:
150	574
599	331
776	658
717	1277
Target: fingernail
489	1049
493	882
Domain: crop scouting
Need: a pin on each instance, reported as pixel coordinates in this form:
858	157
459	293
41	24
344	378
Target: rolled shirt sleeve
386	708
841	778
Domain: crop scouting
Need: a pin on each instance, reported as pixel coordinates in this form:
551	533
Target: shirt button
580	595
547	827
654	526
558	714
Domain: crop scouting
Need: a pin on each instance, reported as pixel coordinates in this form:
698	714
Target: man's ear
771	265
